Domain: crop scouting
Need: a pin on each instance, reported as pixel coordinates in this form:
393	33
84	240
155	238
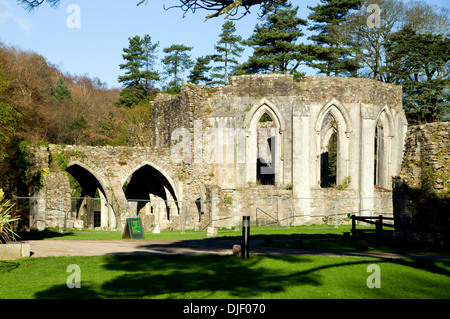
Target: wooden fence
374	220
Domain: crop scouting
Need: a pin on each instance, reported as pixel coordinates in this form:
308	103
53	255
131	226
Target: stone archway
151	196
92	205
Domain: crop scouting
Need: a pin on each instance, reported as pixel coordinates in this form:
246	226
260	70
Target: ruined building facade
261	136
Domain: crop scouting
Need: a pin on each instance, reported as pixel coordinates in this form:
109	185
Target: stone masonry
422	189
208	163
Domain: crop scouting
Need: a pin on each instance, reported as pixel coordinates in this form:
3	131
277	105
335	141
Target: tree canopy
421	64
275	42
139	75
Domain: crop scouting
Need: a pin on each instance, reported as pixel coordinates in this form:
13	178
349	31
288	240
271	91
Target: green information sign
133	229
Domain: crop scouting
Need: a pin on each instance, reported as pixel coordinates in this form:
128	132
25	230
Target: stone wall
297	109
422	190
177	187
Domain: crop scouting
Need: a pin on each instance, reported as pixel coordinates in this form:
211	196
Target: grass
315	231
223	277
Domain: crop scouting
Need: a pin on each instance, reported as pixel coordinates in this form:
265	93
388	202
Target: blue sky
95	49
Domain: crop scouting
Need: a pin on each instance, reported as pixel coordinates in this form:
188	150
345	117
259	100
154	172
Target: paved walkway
45	248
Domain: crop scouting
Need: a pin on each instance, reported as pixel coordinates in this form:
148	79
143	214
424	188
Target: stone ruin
217	152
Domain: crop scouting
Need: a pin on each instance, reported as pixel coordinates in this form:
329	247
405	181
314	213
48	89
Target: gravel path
45	248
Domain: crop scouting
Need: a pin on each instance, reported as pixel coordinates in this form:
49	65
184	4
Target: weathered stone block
78	224
156	229
14	251
212	232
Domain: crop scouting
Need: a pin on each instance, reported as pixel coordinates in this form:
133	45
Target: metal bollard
245	250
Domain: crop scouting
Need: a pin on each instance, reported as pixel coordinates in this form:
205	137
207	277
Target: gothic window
265	167
328	152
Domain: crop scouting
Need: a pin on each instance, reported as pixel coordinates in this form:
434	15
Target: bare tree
217	7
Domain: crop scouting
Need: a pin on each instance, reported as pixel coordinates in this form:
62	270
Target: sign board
133	229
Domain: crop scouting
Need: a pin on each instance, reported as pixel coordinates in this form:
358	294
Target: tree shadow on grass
177	276
208	276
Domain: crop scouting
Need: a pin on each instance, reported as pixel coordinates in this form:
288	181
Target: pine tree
176	61
148	75
228	48
61	91
329	54
421	64
139	75
200	70
274	42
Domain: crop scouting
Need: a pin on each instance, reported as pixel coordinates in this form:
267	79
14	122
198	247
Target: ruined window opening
265	162
329	151
378	174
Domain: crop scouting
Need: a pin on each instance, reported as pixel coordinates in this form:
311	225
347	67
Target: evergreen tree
200	70
139	74
274	42
329	53
61	91
177	60
147	74
228	48
421	64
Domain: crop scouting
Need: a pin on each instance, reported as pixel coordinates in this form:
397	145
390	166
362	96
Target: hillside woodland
40	103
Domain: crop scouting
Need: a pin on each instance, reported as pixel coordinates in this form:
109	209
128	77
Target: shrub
7	233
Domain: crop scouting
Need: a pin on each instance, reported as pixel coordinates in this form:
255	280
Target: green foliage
9	116
228	199
176	61
20	167
265	118
59	160
228	48
200	70
421	64
274	43
329	53
61	92
74	130
139	75
7	233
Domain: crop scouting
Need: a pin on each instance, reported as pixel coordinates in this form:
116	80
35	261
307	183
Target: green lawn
192	277
315	231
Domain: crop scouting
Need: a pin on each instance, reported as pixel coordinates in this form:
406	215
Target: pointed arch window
328	154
